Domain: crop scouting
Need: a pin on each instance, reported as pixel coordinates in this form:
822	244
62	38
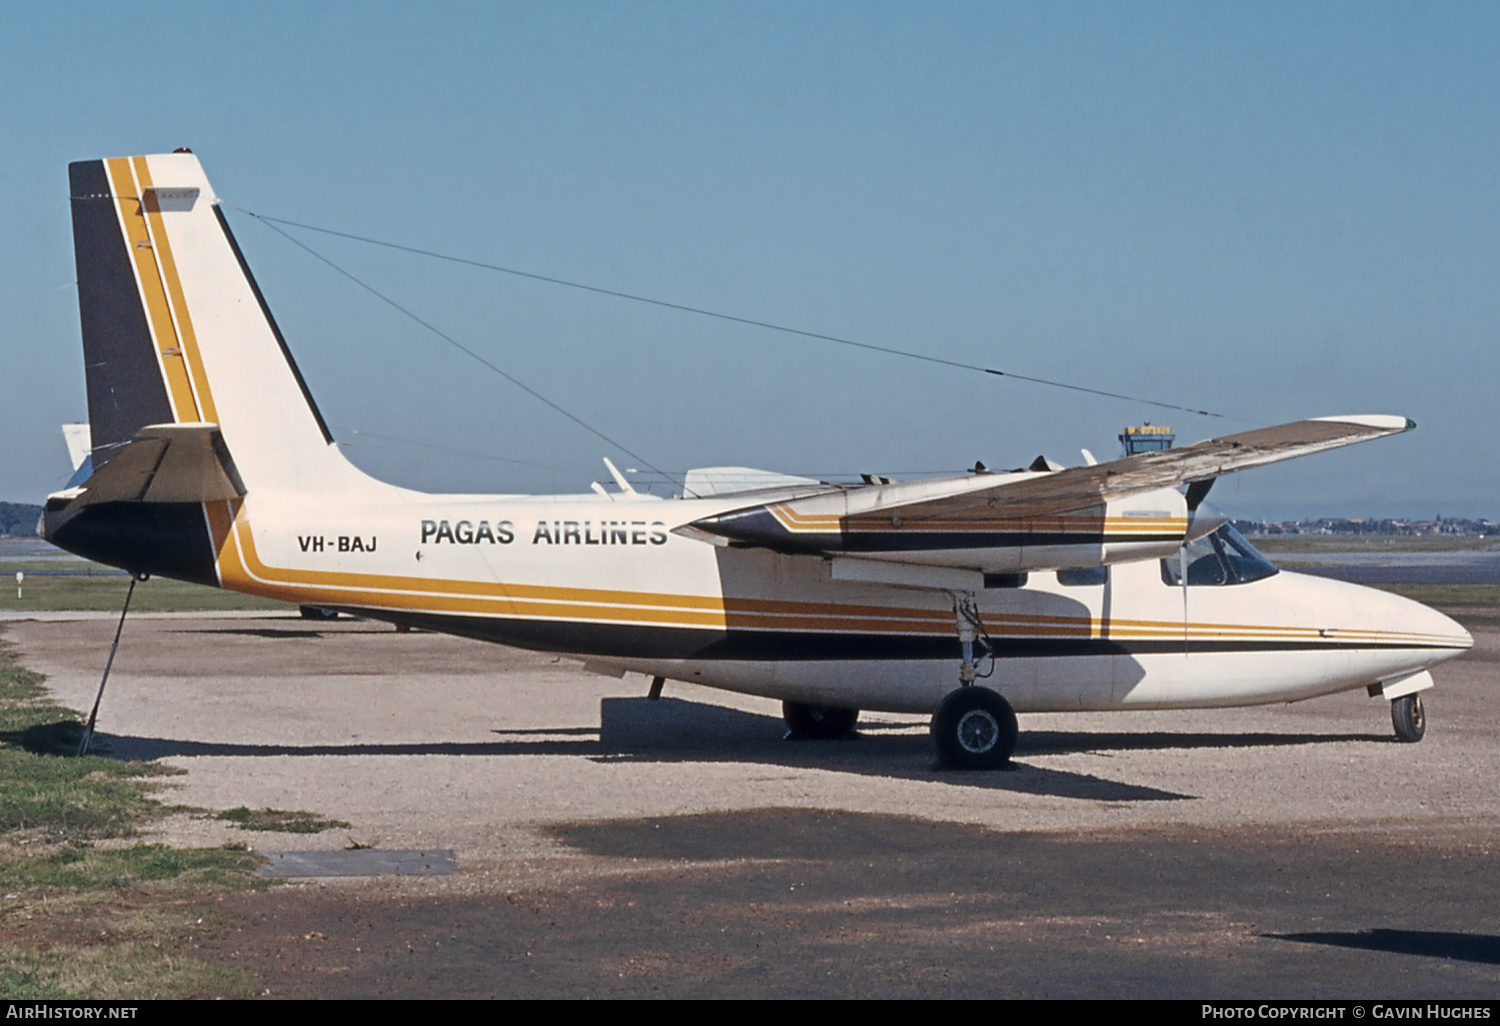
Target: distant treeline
18	518
1371	525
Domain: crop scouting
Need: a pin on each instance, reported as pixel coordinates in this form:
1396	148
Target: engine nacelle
1147	525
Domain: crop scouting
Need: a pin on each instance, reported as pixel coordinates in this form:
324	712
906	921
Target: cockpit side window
1221	558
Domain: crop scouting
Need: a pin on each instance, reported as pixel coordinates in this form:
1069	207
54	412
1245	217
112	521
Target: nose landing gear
1408	717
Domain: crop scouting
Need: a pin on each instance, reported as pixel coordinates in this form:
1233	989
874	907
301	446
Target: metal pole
88	731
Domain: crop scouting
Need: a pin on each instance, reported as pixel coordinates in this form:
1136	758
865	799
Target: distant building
1146	438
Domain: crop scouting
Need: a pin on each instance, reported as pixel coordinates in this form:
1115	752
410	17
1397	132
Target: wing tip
1378	421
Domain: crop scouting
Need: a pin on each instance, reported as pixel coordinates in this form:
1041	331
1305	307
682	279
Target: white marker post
20	579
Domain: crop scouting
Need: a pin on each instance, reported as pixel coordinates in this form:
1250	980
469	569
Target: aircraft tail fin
175	328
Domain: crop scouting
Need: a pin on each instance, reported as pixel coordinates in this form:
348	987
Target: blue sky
1273	211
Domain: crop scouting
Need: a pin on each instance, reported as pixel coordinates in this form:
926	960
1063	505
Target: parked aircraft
968	598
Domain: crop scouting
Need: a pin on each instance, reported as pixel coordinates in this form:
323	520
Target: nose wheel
1408	718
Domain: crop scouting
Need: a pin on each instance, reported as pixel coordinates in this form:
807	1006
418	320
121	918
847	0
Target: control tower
1146	438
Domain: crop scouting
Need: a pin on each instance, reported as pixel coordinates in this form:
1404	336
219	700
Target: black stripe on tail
125	387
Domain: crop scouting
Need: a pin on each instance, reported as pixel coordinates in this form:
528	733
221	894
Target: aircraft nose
1400	619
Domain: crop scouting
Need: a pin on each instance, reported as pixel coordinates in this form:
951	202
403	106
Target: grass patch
158	595
1446	594
44	788
279	820
71	798
119	971
78	920
83	867
140	939
72	563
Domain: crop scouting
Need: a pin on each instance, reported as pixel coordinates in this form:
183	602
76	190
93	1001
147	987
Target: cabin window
1083	576
1004	581
1221	558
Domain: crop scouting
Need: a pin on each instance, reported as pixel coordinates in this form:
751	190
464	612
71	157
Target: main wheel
317	613
1408	718
823	722
975	728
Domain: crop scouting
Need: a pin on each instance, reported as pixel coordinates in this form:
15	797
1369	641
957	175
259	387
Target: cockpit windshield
1221	558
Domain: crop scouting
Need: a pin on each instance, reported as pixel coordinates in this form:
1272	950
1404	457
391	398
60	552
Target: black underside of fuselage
163	539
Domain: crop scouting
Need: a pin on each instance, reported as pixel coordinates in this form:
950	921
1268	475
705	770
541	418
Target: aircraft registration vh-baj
1106	586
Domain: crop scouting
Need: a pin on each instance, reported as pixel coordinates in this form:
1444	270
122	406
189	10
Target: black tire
317	613
1409	718
819	722
975	728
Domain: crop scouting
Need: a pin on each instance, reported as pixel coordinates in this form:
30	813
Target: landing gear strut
973	727
1408	718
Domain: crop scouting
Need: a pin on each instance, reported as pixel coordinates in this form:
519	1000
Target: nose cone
1416	636
1425	624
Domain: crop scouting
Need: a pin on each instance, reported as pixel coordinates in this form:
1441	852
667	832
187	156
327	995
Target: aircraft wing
1080	487
165	463
954	521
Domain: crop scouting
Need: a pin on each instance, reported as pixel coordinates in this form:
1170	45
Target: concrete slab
285	865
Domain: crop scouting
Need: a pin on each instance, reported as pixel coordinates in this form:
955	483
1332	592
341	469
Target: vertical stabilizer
175	328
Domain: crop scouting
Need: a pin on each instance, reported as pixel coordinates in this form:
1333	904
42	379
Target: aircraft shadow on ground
1058	742
280	633
674	730
1454	947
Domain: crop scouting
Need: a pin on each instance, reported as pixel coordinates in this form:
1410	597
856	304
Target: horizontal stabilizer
165	463
79	443
703	482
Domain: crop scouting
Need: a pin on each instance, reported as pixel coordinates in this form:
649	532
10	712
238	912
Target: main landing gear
1408	718
973	726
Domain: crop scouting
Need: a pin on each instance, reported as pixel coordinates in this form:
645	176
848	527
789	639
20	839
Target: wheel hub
978	731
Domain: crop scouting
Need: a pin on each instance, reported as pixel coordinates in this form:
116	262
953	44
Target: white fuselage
606	580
